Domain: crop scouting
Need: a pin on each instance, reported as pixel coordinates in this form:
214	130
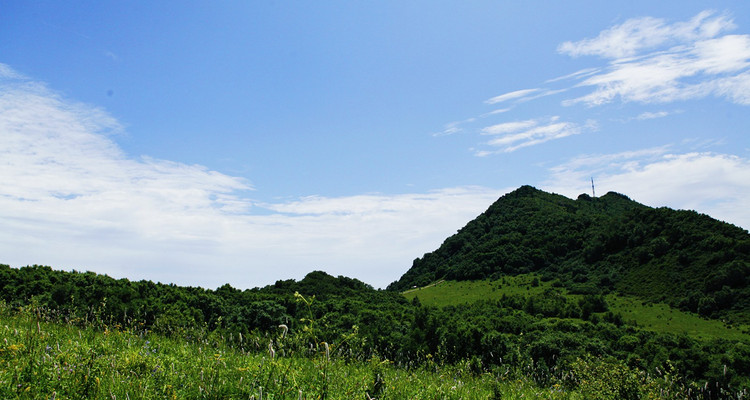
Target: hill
594	245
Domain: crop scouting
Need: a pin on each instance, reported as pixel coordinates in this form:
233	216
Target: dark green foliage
597	245
548	330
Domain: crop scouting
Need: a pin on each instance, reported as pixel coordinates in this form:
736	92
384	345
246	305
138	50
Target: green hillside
599	245
658	317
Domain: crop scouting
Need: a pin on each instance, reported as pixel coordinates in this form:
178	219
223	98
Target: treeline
544	333
597	245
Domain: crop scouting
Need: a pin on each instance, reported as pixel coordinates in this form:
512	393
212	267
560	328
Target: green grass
661	317
446	293
658	317
45	360
40	359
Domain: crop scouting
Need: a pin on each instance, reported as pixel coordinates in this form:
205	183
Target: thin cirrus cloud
647	61
518	94
651	61
637	34
652	115
71	198
512	136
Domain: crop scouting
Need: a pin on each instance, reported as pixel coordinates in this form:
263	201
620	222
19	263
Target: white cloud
495	112
510	96
652	115
654	62
578	74
71	198
648	61
519	134
454	127
639	34
736	88
6	72
718	184
449	129
508	127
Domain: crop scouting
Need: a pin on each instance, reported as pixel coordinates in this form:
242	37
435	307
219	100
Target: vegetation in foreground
42	359
542	338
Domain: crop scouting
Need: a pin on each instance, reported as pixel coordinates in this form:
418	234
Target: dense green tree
596	245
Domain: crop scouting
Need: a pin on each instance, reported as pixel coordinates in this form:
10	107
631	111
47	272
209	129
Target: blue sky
247	142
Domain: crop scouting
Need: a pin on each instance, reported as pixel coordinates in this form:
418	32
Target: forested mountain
599	244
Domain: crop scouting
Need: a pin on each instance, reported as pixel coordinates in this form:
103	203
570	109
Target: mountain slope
600	244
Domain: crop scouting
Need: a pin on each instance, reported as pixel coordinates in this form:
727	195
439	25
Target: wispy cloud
450	129
495	112
652	115
652	61
71	198
508	127
578	74
717	183
454	127
649	115
646	61
635	35
6	72
515	135
511	96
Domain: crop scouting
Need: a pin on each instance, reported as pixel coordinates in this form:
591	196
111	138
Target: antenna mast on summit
593	192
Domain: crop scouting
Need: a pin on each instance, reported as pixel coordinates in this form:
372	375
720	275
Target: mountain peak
597	244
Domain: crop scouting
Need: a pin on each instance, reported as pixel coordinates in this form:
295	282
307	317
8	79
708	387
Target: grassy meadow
41	359
658	317
46	360
448	293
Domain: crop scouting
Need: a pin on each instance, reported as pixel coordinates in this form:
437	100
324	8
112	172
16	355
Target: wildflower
271	352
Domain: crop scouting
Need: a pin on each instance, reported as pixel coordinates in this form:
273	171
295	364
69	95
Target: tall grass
40	359
44	359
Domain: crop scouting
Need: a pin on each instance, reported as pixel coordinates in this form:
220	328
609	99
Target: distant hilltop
600	244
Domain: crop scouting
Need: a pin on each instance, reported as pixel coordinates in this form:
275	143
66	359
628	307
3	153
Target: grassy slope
657	316
456	292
